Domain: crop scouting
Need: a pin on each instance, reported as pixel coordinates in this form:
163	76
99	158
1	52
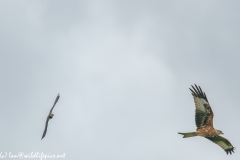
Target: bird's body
207	132
204	121
203	132
50	116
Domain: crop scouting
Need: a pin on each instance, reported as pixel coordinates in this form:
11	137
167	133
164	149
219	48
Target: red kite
204	121
50	116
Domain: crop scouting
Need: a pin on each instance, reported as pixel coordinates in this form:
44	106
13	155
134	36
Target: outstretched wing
203	111
48	117
45	130
223	143
58	96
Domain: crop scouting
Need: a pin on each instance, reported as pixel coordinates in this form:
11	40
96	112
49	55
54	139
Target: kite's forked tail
189	134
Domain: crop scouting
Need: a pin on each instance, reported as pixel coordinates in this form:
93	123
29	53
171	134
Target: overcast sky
123	69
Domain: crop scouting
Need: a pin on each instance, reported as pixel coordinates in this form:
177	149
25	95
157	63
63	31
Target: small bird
50	116
204	121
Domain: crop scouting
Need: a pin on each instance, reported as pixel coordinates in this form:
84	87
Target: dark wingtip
197	91
230	150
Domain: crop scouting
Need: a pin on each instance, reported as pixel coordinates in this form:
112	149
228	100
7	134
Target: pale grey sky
123	69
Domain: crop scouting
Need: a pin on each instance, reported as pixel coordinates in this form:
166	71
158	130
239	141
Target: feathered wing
203	112
223	143
56	100
46	125
45	130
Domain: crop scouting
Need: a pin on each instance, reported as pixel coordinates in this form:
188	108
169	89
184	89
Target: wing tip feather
230	151
197	92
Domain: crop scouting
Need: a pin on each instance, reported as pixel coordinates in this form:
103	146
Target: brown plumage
204	121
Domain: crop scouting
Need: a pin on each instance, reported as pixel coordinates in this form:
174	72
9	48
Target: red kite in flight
204	121
50	116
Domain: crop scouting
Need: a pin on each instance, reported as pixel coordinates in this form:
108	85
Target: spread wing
203	112
223	143
46	125
58	96
45	130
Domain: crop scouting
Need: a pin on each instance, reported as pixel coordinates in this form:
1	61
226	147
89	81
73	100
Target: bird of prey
204	121
50	116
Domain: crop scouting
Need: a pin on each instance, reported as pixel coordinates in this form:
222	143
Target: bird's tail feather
189	134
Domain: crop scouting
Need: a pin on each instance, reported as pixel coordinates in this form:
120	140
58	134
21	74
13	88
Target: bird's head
219	132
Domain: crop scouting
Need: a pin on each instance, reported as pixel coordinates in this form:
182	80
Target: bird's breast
206	132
